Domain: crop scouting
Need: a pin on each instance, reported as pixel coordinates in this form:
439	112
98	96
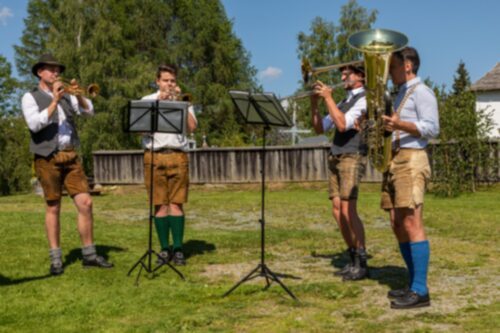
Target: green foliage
119	45
463	150
8	86
16	160
327	45
353	18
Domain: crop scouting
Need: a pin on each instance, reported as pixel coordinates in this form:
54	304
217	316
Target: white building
487	91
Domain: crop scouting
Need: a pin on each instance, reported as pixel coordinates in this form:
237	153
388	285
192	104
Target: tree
353	18
15	160
35	34
8	86
212	60
463	150
461	80
327	45
119	44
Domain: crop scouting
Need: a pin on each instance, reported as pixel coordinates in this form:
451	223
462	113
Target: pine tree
461	80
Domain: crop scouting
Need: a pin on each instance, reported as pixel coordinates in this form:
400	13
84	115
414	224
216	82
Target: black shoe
344	270
396	293
98	261
178	258
56	269
355	274
164	257
411	300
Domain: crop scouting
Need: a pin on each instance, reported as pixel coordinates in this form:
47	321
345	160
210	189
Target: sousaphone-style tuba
377	46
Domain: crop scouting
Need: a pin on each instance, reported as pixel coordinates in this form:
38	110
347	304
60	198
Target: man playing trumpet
49	113
170	171
347	162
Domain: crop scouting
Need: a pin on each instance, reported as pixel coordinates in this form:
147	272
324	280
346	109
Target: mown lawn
222	244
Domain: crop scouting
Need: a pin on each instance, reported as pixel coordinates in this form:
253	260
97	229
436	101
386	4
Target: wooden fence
235	165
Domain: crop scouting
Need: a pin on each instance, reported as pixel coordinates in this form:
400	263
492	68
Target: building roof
491	81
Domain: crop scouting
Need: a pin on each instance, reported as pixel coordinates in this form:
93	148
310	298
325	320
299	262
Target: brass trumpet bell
91	91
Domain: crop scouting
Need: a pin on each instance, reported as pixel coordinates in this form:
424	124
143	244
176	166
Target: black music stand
154	116
261	109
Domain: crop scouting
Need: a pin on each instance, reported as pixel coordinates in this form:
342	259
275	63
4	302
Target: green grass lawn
223	244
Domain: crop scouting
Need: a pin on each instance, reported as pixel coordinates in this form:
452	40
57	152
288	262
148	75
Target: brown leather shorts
58	169
405	182
346	171
170	176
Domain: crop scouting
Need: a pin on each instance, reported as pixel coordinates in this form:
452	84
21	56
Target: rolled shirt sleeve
79	110
327	123
427	113
358	109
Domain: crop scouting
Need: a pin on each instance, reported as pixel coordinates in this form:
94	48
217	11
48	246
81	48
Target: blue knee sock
406	253
420	253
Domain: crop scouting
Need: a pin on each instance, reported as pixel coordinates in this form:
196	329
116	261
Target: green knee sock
177	226
162	229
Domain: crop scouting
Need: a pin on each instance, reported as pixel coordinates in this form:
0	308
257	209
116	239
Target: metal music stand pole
145	261
262	270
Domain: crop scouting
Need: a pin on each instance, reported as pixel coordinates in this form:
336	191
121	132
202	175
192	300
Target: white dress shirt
352	114
421	109
38	120
167	140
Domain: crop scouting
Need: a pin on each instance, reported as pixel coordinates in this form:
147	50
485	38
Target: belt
166	151
396	151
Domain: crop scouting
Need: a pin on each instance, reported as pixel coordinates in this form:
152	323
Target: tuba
377	47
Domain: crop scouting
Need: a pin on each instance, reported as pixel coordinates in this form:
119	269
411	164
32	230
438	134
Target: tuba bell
377	46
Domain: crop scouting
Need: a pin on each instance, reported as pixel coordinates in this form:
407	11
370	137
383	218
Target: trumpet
175	95
310	92
91	91
309	72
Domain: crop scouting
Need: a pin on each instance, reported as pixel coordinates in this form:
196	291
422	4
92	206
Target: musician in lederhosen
49	111
413	123
170	171
347	162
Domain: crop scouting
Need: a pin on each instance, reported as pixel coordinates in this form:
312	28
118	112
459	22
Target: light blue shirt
352	114
422	110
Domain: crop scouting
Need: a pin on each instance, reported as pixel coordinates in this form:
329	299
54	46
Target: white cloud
270	73
5	13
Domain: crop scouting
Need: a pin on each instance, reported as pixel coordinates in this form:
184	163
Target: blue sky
443	31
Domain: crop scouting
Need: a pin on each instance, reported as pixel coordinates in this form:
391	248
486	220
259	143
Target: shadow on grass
102	250
394	277
5	281
71	257
194	247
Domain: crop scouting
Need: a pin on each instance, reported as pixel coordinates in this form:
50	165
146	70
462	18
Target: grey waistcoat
351	141
44	142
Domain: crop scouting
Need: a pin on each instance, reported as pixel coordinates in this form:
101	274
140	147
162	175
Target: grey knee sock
56	256
89	252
